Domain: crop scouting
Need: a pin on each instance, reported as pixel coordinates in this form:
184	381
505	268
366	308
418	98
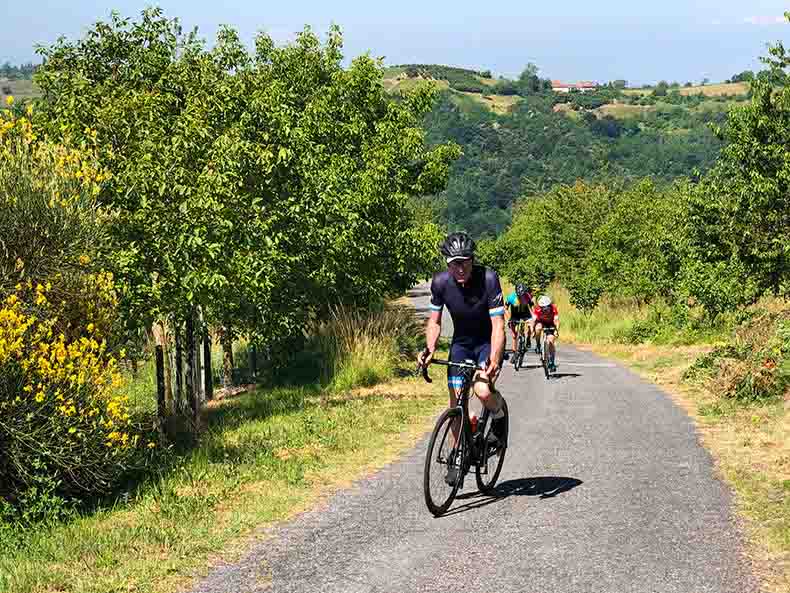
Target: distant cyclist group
473	296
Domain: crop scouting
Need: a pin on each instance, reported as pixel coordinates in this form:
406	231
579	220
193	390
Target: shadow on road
543	487
565	375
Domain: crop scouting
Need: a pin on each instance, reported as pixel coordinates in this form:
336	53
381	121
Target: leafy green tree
745	76
634	251
261	187
738	224
661	89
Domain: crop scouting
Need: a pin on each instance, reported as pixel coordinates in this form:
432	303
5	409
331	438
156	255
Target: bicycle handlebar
423	368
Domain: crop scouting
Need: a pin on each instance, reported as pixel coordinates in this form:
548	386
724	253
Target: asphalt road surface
604	489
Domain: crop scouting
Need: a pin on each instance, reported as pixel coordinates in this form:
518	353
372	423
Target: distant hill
469	89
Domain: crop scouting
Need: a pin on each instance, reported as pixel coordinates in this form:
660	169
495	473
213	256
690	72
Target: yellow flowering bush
65	432
49	219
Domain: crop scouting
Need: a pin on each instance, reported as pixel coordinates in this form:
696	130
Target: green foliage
460	79
243	182
634	251
21	72
534	148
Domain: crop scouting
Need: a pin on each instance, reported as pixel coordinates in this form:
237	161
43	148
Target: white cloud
764	20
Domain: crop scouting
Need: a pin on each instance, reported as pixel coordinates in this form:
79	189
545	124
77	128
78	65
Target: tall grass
360	348
611	319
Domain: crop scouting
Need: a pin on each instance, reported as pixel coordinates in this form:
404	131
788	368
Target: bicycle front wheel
544	356
519	353
487	471
444	462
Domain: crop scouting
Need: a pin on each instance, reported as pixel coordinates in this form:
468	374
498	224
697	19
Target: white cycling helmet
544	300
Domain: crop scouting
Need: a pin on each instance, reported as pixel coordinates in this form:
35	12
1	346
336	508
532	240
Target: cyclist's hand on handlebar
424	358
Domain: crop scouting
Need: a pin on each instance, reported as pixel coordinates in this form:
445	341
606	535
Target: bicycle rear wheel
444	455
488	469
544	355
519	353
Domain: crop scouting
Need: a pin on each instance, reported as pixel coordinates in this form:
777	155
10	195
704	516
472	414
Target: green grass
263	456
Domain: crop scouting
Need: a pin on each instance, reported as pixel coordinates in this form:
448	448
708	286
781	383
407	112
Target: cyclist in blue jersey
473	297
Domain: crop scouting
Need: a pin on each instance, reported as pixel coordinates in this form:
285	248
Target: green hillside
518	137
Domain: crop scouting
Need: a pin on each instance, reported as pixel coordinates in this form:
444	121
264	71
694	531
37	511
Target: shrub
64	432
754	365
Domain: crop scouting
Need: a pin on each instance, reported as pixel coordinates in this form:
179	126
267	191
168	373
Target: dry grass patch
500	104
622	110
716	90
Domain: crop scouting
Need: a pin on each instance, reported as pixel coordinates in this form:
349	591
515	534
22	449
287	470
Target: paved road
604	489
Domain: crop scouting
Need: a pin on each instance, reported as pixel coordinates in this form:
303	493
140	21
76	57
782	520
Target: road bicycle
522	344
459	443
545	361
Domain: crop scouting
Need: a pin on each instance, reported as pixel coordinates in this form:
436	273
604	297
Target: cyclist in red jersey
547	318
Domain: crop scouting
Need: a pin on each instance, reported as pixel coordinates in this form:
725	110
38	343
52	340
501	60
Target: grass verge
266	455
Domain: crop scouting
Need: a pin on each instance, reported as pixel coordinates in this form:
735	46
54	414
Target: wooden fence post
161	405
208	378
191	393
179	408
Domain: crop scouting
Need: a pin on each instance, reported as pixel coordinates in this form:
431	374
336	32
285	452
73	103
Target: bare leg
456	427
489	397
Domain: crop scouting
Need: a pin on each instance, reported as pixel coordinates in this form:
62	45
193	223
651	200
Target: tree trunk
227	355
161	404
254	362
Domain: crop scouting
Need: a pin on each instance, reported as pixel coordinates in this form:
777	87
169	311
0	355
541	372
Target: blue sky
569	40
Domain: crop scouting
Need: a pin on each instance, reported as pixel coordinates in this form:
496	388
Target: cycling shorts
479	353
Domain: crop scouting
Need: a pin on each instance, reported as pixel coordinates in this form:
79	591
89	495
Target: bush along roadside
754	365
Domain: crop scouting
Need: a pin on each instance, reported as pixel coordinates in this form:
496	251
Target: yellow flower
9	100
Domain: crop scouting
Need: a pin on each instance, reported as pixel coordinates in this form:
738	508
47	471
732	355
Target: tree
745	76
661	89
738	224
528	81
243	182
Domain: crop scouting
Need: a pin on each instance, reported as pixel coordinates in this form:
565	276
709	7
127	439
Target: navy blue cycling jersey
471	306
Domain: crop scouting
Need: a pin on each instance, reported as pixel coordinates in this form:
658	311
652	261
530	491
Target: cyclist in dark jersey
473	296
519	304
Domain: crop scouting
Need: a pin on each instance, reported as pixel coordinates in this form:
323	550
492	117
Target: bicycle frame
468	369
